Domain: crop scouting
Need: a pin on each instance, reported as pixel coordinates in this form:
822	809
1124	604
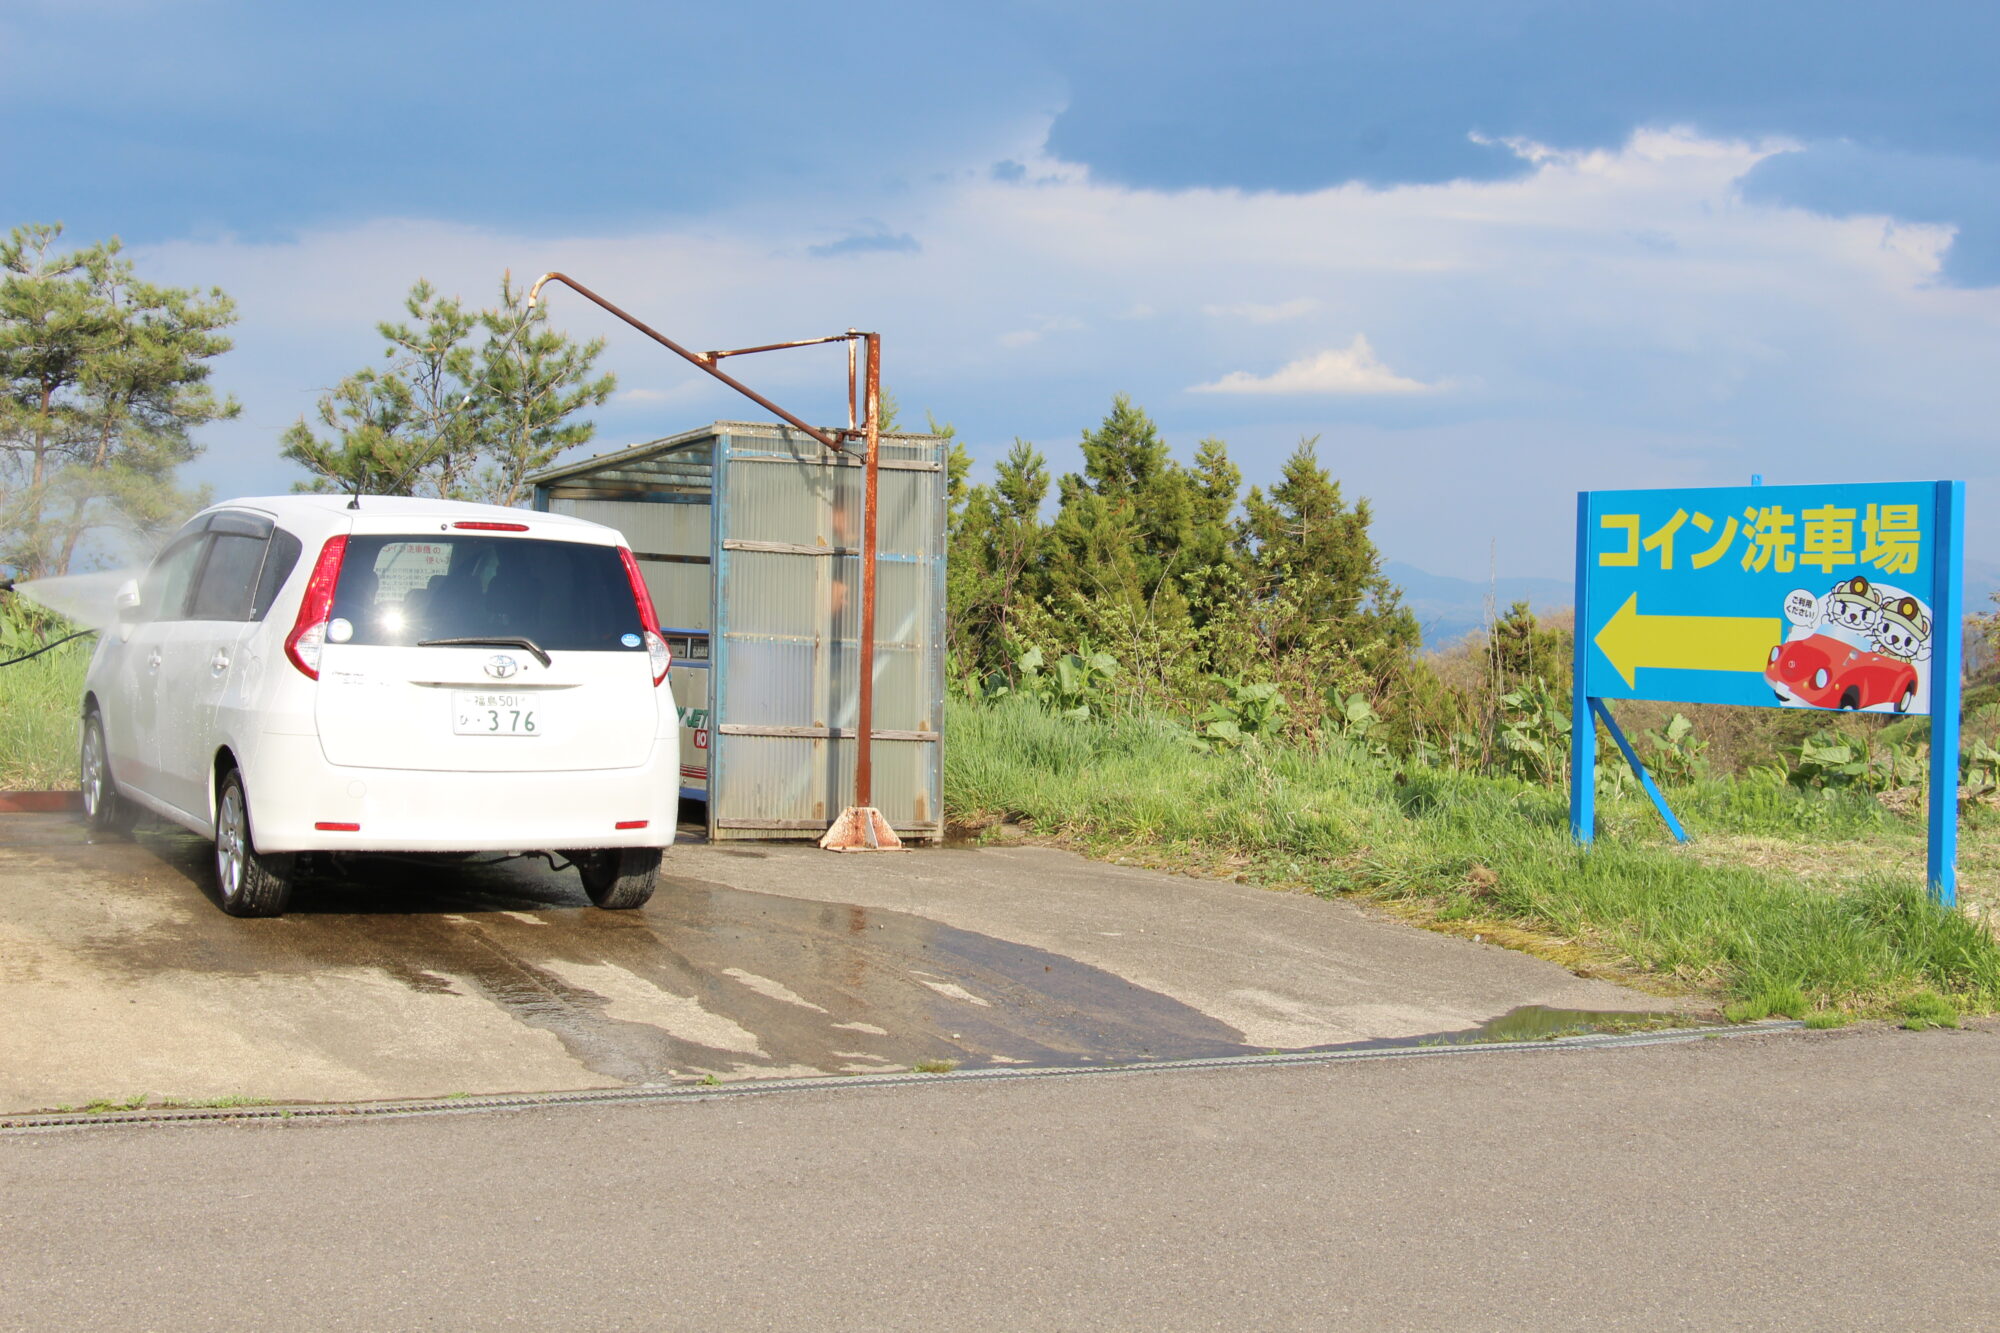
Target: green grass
1457	850
38	713
1927	1010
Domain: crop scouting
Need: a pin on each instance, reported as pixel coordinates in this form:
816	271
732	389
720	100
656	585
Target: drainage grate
683	1092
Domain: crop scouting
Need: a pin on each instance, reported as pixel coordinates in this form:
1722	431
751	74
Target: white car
321	674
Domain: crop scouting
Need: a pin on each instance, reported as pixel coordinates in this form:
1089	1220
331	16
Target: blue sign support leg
1582	724
1639	770
1947	663
1583	771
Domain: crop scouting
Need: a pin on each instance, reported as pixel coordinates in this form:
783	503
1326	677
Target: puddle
1535	1022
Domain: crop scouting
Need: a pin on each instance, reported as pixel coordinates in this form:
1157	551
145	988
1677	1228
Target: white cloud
1295	308
1353	369
1617	317
1027	337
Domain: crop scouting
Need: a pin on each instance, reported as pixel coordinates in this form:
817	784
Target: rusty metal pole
861	827
864	754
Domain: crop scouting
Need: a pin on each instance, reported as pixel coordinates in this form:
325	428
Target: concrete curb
29	1122
41	802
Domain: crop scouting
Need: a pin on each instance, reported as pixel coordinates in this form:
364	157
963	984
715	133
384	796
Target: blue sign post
1843	597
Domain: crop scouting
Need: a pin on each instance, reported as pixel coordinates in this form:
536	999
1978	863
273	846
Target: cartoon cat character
1853	605
1903	630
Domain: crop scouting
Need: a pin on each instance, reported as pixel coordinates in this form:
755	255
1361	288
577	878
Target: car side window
279	562
228	583
165	593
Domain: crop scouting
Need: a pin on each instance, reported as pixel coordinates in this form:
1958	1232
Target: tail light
308	634
657	655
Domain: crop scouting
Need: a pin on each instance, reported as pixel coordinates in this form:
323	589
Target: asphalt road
1838	1180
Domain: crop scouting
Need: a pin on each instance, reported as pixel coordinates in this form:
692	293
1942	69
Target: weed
105	1105
1776	1001
40	701
935	1066
1459	849
1821	1019
1927	1009
709	1080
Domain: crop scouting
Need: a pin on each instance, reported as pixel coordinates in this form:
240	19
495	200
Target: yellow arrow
1686	643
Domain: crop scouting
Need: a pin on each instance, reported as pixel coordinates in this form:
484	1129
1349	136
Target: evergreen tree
1214	563
470	404
103	380
994	562
1123	530
1315	567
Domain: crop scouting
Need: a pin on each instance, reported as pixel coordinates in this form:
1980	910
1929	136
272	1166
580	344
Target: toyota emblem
501	666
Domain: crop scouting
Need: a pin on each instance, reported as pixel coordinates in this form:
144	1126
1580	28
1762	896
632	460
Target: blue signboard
1830	597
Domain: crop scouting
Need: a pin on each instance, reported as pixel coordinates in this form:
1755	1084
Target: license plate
478	713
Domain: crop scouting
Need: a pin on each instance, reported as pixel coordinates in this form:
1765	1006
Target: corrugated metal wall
754	533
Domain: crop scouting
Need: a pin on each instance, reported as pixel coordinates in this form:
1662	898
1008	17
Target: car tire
247	883
104	810
1851	700
1906	698
618	878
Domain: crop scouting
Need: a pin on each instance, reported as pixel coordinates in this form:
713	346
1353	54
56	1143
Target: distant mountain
1448	609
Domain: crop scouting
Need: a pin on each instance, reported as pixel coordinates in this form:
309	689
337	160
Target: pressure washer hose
7	585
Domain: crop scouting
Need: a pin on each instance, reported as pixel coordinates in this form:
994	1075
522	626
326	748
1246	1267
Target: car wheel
1852	699
103	808
1908	697
247	882
618	878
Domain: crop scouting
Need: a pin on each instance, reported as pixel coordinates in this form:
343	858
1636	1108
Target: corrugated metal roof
688	438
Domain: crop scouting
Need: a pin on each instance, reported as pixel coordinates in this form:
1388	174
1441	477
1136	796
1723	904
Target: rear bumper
293	789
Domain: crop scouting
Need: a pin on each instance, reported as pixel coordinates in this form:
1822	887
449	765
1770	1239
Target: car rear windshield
402	590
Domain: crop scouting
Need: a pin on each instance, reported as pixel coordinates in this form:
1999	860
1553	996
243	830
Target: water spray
83	599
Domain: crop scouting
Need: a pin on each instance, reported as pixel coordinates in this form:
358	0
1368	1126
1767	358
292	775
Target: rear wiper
499	641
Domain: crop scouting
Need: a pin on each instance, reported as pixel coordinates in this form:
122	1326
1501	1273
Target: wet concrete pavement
395	979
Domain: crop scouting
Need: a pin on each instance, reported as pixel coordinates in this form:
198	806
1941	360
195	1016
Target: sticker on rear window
630	640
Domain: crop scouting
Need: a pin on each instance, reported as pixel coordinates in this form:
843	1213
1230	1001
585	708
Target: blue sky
1489	253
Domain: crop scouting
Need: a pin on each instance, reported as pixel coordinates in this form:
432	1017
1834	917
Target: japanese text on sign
1774	538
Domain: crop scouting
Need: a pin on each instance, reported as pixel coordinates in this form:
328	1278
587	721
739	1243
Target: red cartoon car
1827	673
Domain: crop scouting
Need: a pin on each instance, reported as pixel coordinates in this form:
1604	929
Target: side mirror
126	600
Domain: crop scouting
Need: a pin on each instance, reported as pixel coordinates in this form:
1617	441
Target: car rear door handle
220	662
153	662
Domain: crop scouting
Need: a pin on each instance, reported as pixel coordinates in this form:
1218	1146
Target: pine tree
470	404
1214	563
103	380
1123	530
994	564
1315	566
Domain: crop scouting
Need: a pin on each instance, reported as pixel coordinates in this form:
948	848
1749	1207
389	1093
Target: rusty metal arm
846	337
860	826
704	361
